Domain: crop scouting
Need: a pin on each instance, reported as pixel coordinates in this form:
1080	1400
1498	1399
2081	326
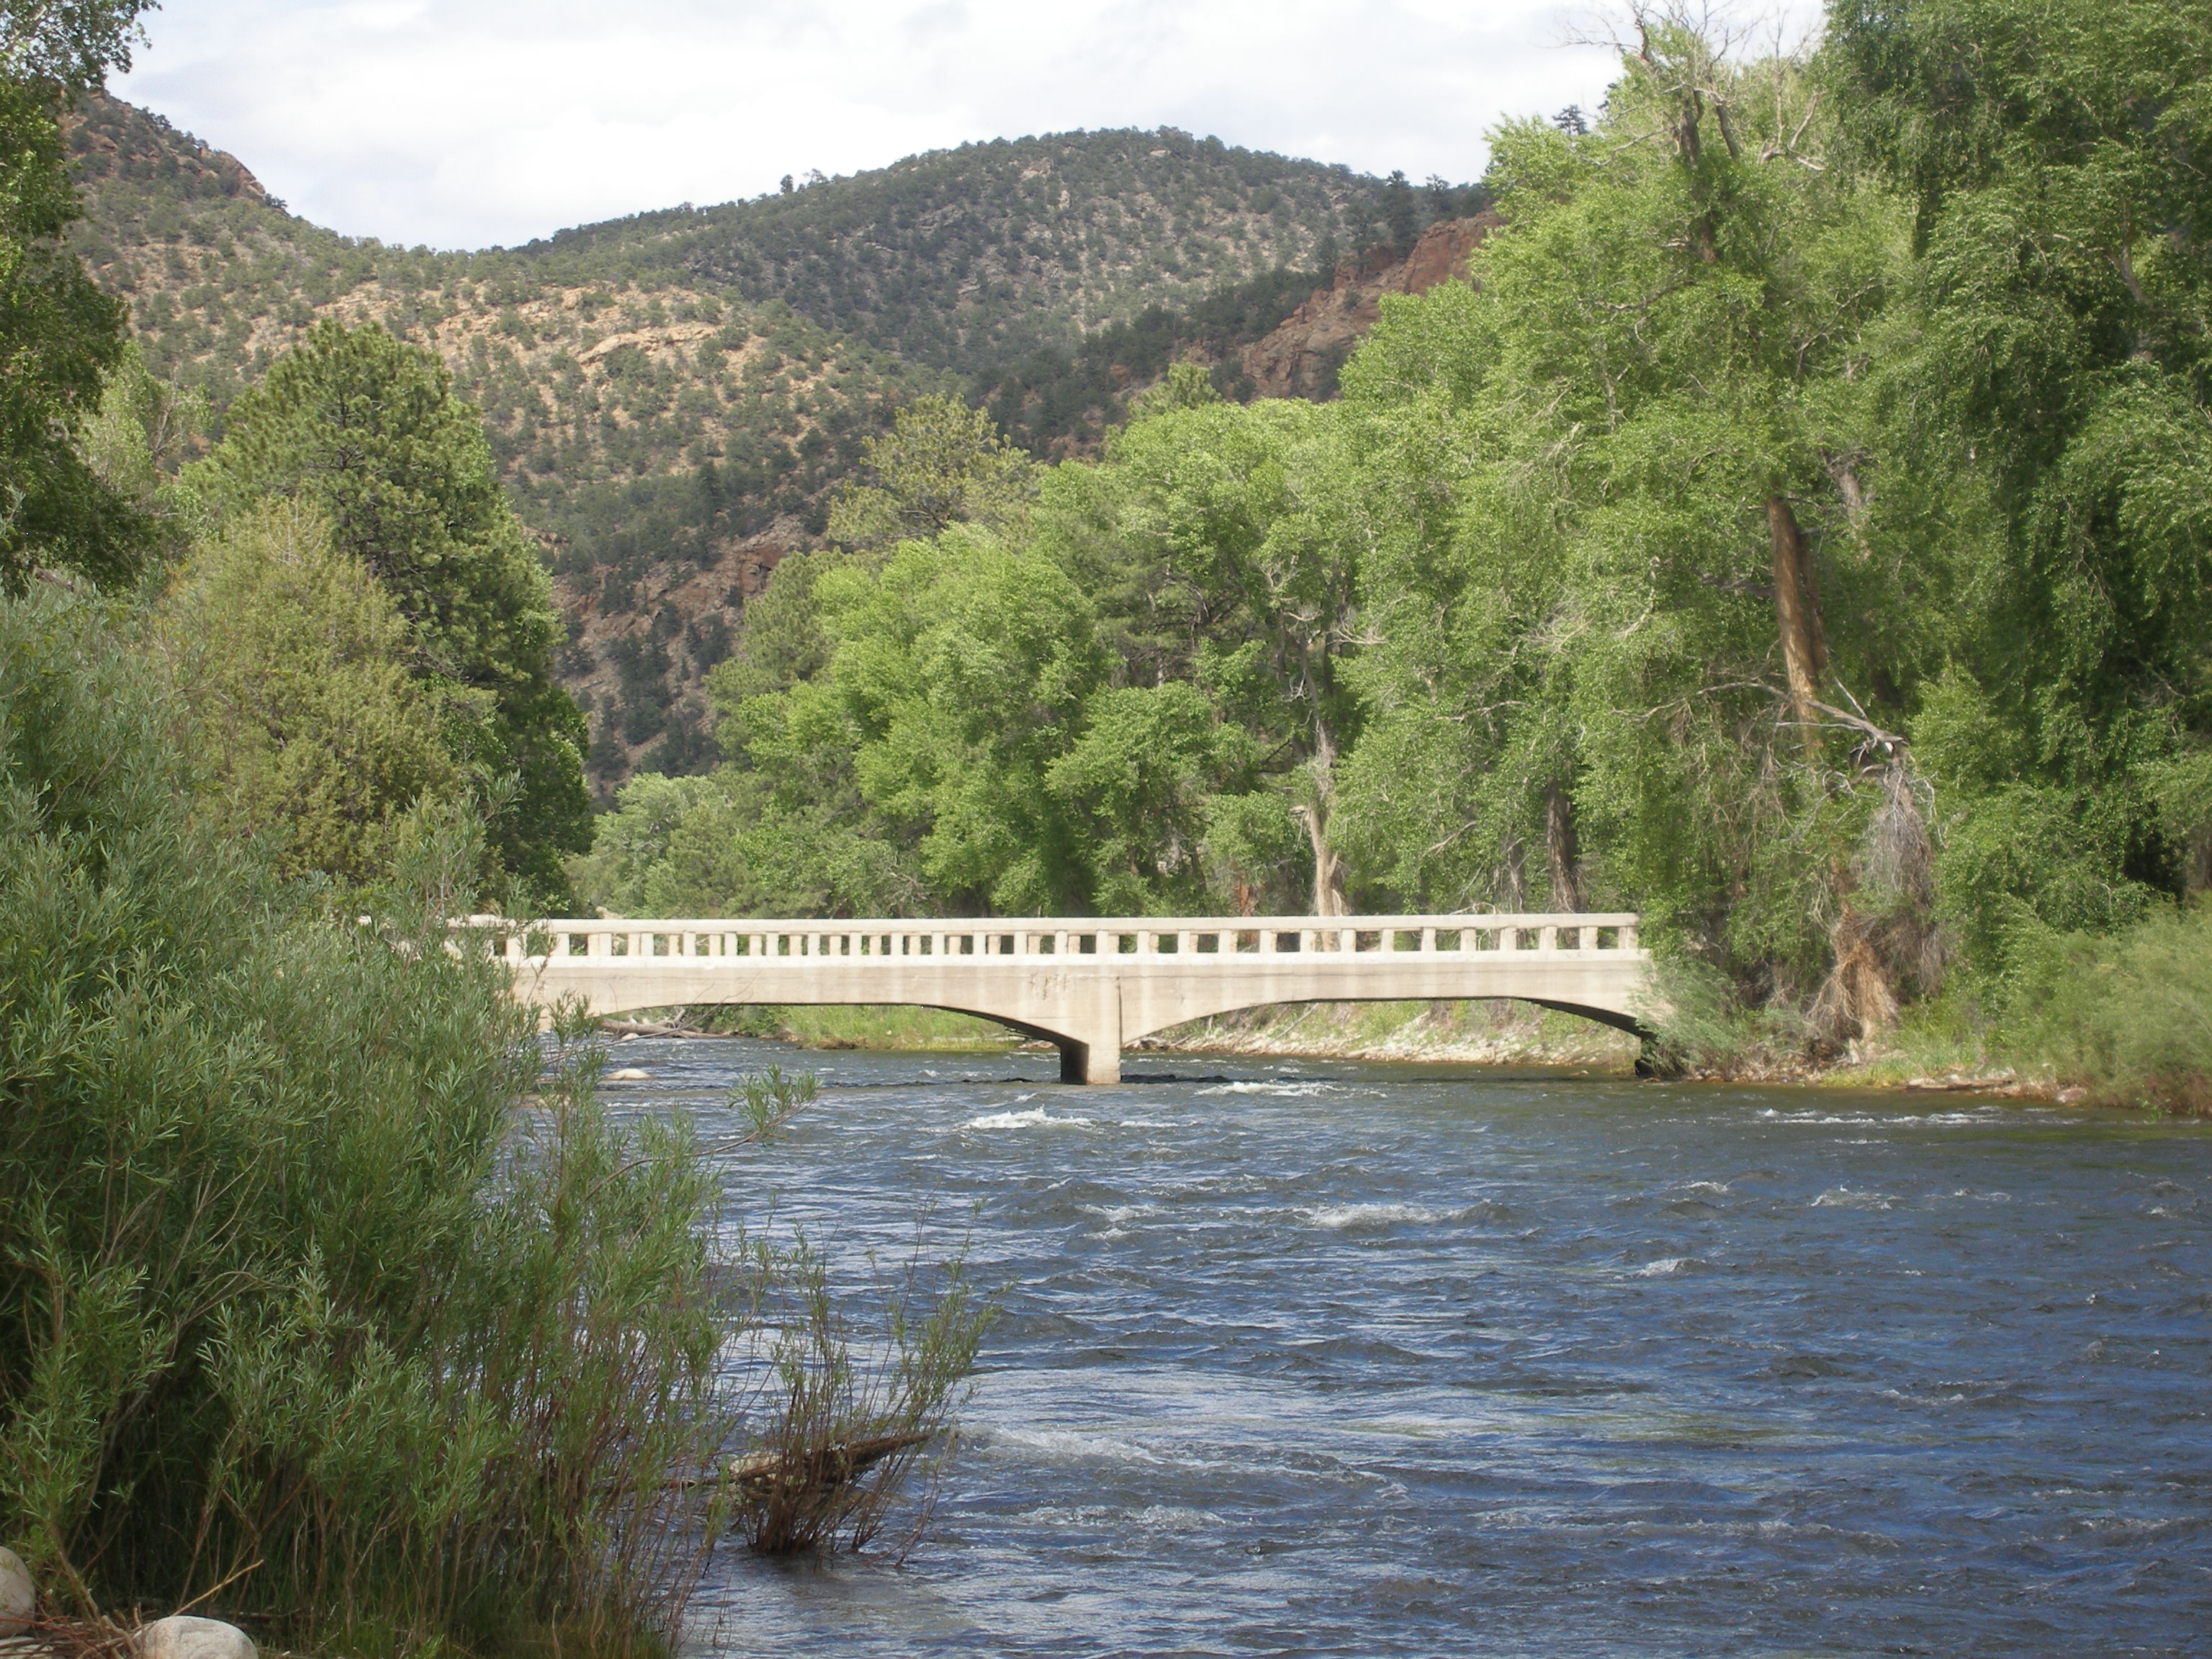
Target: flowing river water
1318	1358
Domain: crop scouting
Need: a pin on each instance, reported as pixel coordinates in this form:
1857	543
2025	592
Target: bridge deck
1087	984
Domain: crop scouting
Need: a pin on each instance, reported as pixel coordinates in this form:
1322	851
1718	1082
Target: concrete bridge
1088	984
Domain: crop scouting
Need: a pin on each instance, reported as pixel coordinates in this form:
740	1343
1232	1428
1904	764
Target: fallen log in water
769	1474
766	1474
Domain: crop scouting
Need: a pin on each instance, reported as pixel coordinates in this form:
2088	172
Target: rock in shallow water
182	1638
19	1596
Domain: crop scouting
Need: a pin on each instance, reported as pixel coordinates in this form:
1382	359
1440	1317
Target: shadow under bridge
1087	985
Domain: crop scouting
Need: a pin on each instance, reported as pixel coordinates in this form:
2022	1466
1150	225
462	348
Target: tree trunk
1797	619
1328	898
1329	870
1861	981
1565	846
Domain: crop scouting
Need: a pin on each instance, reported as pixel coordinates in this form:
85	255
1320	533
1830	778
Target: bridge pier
1090	1047
1089	1062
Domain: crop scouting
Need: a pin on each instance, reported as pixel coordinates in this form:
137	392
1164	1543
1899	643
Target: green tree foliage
364	429
67	43
1124	701
297	1325
2042	431
59	335
295	663
1224	545
136	443
1613	642
941	464
2128	1016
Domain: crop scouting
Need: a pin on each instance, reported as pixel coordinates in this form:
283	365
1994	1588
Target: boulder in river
181	1636
19	1596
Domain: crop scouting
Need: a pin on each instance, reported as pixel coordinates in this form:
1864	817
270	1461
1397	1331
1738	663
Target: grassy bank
894	1027
1484	1033
1487	1033
2124	1022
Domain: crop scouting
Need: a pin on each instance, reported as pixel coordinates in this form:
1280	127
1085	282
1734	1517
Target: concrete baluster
1547	938
1508	938
1627	937
1428	939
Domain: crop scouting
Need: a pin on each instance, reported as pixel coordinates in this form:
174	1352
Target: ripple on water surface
1344	1359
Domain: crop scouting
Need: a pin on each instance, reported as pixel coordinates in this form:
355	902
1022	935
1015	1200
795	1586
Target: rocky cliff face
1301	357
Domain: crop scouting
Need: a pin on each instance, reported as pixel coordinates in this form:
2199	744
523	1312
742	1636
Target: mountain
671	398
967	258
1277	336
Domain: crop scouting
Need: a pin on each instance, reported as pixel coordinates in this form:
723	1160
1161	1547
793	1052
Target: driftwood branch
1862	725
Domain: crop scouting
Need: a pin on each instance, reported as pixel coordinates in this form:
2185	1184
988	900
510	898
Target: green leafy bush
2129	1016
296	661
322	1296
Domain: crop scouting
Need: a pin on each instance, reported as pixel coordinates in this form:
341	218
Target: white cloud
464	123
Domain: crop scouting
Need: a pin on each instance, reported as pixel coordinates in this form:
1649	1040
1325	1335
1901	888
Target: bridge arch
1087	985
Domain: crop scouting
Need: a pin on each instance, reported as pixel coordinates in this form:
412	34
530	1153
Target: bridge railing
763	941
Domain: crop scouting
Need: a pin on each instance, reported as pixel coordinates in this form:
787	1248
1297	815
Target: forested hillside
671	399
966	258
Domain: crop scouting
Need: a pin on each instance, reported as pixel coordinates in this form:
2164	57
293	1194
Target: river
1316	1358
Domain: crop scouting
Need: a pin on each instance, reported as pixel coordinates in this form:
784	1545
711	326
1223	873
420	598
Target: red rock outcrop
1301	357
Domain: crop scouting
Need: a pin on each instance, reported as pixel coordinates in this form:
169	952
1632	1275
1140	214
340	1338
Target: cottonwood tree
2044	439
1619	635
1224	544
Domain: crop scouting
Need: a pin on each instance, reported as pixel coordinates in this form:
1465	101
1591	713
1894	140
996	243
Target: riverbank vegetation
1793	529
297	1305
336	1304
331	1299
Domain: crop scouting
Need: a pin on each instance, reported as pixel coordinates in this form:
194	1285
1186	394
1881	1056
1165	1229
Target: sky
477	123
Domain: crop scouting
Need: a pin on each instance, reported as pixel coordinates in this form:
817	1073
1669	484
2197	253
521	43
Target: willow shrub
323	1296
2128	1017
